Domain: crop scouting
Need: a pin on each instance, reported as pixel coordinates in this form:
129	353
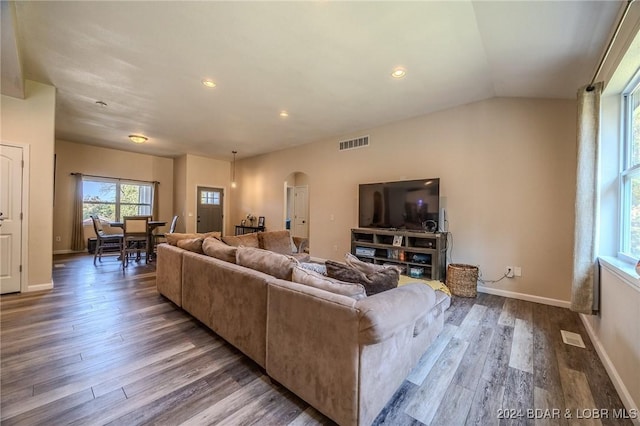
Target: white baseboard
623	392
40	287
523	296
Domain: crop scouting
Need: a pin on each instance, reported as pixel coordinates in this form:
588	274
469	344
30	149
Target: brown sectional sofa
343	356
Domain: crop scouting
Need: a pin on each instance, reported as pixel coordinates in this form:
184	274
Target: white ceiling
327	63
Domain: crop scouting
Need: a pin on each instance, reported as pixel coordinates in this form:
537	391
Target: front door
210	202
300	212
10	218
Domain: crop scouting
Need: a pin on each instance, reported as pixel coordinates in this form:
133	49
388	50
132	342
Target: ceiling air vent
354	143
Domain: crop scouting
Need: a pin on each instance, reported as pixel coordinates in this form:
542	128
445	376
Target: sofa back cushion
191	244
215	248
247	240
314	279
276	241
174	237
275	264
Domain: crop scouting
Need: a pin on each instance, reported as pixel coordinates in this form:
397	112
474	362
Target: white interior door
301	211
10	220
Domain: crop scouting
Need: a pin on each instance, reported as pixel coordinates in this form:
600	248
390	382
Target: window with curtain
113	199
630	173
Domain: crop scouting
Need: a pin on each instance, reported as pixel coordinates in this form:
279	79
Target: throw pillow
313	279
366	268
247	240
274	264
320	268
191	244
213	247
276	241
342	272
384	279
174	237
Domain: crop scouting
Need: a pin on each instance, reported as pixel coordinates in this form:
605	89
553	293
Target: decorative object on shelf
261	221
397	240
251	218
462	280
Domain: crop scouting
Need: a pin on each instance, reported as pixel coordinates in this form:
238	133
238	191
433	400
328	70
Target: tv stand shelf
418	254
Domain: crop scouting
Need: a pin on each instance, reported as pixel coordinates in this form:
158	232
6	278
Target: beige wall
91	160
30	122
180	191
615	332
507	170
193	171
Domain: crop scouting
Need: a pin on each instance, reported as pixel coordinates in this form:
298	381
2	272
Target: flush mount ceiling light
208	83
284	114
398	72
138	138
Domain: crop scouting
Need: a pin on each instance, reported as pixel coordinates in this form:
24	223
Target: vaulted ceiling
328	64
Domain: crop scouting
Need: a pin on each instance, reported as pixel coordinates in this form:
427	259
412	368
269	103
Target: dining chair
110	242
161	237
136	237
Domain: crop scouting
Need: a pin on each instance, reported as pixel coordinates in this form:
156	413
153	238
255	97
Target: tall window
630	175
113	199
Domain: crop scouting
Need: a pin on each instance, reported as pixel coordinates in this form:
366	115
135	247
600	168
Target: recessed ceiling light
398	72
284	114
138	138
101	104
209	83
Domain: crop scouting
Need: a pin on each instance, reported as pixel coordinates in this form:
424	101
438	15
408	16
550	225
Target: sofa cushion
314	279
275	264
213	247
174	237
276	241
374	283
191	244
247	240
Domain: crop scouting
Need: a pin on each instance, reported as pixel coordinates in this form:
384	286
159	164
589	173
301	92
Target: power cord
490	281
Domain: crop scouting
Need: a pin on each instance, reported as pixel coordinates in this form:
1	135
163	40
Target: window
210	197
630	174
113	199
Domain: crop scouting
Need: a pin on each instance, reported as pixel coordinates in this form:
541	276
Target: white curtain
77	230
584	289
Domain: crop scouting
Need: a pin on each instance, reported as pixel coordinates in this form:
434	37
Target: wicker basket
462	280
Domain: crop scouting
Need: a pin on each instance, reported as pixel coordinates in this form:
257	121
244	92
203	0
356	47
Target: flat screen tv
410	205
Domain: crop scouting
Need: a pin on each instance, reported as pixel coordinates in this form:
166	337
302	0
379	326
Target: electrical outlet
509	272
517	271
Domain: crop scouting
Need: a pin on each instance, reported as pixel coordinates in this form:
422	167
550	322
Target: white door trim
24	225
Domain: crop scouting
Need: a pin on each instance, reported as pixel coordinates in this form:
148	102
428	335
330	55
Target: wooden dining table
152	224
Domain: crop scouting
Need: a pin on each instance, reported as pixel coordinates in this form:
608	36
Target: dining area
135	238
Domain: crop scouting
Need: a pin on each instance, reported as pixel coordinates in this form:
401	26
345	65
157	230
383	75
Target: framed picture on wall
261	221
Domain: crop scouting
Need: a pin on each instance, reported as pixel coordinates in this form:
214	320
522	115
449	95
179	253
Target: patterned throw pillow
313	279
381	279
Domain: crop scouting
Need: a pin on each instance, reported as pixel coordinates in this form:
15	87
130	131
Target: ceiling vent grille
354	143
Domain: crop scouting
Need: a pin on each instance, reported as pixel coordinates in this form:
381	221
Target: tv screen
410	204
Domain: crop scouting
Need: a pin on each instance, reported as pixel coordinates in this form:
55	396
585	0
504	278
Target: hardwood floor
104	348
